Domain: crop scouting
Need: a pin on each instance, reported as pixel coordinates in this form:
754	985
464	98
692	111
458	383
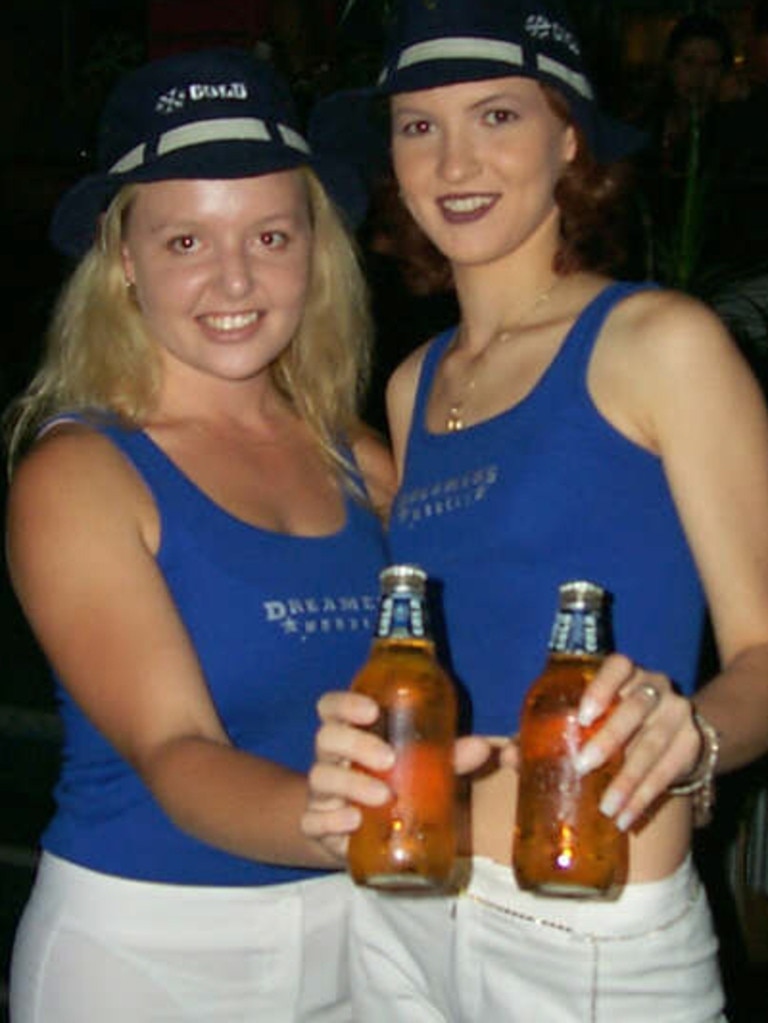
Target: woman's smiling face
221	268
477	164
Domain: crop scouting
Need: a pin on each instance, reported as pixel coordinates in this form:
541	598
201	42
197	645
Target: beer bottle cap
403	577
580	594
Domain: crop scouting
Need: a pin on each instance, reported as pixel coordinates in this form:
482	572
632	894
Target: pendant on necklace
454	420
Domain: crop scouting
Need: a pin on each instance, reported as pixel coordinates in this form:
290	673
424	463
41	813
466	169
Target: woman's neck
255	403
497	295
499	298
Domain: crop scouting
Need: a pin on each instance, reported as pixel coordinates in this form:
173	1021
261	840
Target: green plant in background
674	251
680	253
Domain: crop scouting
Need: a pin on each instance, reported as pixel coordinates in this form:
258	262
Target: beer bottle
564	845
410	842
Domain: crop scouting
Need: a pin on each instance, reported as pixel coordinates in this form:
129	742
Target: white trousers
495	953
92	948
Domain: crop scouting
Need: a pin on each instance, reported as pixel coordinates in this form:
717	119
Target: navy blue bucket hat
213	114
432	43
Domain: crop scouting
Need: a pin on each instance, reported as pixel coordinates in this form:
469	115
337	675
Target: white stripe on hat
222	129
293	139
576	81
133	158
476	48
461	48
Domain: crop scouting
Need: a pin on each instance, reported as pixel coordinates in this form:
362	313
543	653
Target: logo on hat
169	102
539	26
176	98
228	90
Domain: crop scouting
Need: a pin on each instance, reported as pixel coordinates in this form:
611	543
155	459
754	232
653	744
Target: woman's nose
458	159
236	272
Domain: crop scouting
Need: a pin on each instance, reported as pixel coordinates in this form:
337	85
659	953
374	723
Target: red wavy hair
591	225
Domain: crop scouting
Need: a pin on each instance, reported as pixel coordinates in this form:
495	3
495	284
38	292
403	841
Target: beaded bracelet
701	783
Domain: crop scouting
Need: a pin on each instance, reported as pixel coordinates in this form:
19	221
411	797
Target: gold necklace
454	421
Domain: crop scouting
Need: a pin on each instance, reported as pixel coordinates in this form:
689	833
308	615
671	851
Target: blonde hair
100	359
325	371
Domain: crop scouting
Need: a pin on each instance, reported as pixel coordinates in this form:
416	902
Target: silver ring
646	689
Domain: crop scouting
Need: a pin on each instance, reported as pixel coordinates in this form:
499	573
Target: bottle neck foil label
402	616
578	632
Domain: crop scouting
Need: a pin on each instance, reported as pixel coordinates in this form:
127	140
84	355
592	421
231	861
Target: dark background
58	59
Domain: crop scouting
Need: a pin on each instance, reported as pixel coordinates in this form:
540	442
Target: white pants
496	954
92	948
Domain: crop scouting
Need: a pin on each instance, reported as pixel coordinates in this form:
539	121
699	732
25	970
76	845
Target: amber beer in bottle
564	845
410	842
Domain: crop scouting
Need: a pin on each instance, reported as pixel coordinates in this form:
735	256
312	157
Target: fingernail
609	804
588	713
382	794
624	821
587	759
385	760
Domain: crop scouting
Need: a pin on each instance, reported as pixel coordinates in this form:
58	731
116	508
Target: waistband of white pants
621	918
100	896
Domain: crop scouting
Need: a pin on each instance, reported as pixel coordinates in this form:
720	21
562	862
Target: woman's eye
273	239
183	243
420	127
500	116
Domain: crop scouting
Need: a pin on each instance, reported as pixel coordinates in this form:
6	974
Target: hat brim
75	220
354	128
609	138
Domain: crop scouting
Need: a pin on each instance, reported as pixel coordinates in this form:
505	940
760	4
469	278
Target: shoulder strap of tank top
575	353
578	346
432	357
133	442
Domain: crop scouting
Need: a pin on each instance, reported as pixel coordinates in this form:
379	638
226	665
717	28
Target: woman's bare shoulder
66	448
661	356
73	473
665	320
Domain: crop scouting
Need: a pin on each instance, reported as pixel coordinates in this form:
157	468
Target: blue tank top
501	513
276	620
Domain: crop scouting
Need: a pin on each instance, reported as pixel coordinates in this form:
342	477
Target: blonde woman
193	535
